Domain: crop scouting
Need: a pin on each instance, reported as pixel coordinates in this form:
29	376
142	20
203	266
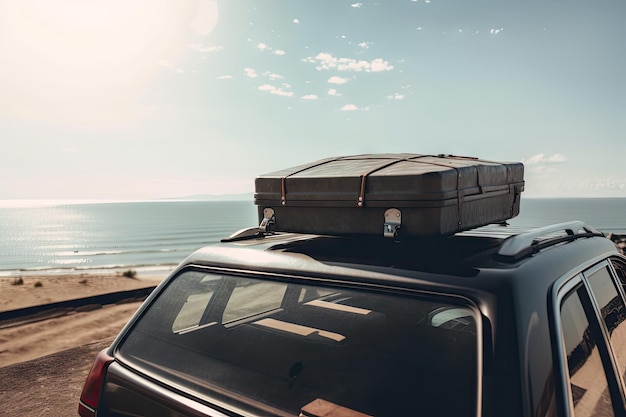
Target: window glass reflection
588	382
613	313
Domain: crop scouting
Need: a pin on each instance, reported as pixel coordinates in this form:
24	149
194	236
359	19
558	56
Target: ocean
148	236
155	236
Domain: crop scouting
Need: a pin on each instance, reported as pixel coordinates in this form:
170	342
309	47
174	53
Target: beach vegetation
18	281
131	273
38	284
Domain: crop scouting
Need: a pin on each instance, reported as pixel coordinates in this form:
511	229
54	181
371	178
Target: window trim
603	329
560	291
616	279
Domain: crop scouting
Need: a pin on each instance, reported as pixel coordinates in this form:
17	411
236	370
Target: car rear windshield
291	349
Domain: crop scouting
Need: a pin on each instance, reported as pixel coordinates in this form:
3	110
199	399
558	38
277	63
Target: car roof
438	260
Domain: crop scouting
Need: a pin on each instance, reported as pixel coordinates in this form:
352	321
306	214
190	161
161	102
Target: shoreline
22	290
143	271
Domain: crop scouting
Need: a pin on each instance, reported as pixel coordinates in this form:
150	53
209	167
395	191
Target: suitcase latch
393	220
267	224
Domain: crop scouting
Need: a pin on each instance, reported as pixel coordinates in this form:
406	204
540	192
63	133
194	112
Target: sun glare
77	60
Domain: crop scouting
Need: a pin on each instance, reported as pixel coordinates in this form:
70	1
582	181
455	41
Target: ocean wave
94	254
86	253
51	270
95	236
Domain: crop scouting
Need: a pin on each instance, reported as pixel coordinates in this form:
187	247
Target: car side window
612	311
587	378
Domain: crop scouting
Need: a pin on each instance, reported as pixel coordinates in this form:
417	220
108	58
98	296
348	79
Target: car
498	320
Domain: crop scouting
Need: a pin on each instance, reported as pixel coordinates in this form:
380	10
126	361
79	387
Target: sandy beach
24	342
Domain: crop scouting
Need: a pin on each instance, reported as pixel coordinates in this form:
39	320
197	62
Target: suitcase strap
363	177
283	180
361	199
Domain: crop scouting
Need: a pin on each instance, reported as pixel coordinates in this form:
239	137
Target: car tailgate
127	393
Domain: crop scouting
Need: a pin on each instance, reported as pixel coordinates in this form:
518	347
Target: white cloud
364	45
224	77
552	182
326	61
356	5
296	21
349	107
557	158
395	96
544	165
418	28
496	31
201	48
272	76
541	158
275	90
378	65
333	92
283	93
250	72
605	185
309	97
167	64
263	47
337	80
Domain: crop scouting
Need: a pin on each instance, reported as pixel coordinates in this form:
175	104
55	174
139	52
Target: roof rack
264	228
528	243
244	234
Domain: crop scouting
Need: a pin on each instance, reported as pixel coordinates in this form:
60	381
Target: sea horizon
153	236
39	202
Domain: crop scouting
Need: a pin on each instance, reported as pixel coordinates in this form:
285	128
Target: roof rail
528	243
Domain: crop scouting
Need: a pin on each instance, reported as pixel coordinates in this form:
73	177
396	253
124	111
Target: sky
142	99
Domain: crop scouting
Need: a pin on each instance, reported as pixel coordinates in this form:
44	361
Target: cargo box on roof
389	194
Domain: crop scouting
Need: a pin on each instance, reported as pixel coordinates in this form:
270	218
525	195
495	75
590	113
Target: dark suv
495	321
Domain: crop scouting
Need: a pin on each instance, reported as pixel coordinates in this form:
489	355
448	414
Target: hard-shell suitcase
389	194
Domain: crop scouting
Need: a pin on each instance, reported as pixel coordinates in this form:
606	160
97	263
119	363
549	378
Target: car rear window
291	349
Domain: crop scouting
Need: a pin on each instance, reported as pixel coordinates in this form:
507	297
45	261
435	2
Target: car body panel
521	369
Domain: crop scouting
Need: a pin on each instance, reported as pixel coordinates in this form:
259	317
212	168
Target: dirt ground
44	363
49	386
33	340
75	328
